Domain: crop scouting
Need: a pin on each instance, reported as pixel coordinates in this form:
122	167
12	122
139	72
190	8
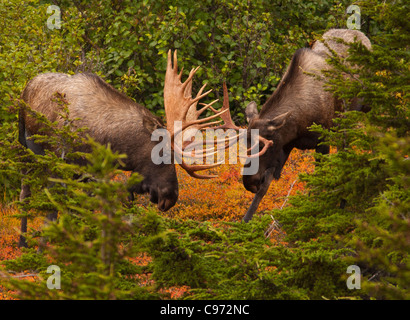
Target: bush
247	43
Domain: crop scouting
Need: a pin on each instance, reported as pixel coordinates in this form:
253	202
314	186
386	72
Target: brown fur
111	117
331	39
302	100
348	36
294	93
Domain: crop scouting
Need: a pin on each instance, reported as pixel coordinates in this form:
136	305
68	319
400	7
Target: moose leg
270	174
323	149
284	155
51	216
268	177
358	104
24	194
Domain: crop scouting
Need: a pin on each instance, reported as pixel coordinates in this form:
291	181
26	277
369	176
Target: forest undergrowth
222	199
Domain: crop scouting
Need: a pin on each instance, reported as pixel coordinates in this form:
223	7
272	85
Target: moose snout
166	204
252	182
167	199
164	197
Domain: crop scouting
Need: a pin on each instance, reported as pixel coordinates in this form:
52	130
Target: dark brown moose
112	117
299	101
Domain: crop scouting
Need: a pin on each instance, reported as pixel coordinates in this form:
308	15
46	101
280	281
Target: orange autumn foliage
225	198
10	231
9	235
220	199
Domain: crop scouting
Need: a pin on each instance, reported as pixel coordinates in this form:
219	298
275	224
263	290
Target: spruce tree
368	174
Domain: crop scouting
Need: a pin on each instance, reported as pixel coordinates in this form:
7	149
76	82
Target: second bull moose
299	101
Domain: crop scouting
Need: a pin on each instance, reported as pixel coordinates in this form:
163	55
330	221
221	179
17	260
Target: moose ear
278	121
151	124
251	111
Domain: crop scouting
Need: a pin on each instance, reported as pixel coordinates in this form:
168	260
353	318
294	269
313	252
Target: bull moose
299	101
111	117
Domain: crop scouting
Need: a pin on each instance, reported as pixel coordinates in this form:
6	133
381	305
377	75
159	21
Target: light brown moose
112	117
299	101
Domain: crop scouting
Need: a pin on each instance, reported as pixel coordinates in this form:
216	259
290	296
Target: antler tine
216	115
200	95
172	63
267	144
200	111
226	117
175	62
189	154
192	113
177	95
181	106
192	169
180	77
189	79
223	113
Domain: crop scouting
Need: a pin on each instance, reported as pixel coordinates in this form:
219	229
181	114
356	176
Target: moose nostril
161	206
253	188
252	183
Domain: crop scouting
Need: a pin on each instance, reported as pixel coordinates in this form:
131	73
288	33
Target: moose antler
178	100
226	117
266	143
180	106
